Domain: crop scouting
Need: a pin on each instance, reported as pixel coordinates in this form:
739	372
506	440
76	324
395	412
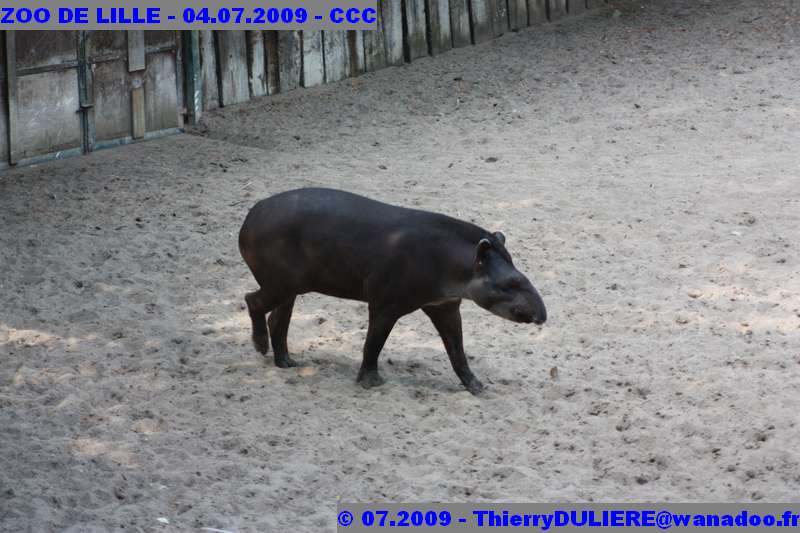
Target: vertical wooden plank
537	11
160	97
86	92
3	103
438	12
459	23
415	38
193	75
137	113
392	13
112	99
290	59
234	83
517	14
313	64
375	45
355	52
337	56
433	28
136	64
208	61
576	7
446	31
499	15
136	59
257	63
179	86
273	65
11	92
556	9
481	20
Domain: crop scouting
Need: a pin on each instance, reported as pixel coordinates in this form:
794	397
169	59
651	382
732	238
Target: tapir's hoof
370	379
474	386
261	342
284	361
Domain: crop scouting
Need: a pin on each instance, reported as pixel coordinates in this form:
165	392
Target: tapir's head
499	287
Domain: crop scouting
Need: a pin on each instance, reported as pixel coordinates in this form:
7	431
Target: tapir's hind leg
259	303
258	316
446	319
278	329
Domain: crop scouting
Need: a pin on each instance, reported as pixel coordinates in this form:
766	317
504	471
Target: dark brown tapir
397	260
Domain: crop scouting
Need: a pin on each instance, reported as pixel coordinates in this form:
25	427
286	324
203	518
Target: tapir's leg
259	303
278	330
446	319
380	325
258	316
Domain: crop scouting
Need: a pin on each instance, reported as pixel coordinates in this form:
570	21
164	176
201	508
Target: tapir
395	259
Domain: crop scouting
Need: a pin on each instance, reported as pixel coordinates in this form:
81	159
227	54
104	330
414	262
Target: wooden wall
70	92
239	65
4	106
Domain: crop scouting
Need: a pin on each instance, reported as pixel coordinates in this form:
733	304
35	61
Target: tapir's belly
333	280
341	267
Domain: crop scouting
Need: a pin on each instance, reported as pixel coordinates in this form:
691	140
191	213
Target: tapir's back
314	214
335	206
331	241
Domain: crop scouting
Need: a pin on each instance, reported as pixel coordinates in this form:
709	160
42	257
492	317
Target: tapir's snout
540	315
533	311
537	317
521	315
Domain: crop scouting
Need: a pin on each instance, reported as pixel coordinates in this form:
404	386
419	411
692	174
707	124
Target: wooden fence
71	92
231	67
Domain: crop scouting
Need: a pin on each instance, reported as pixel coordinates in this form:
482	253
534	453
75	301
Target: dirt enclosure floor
644	167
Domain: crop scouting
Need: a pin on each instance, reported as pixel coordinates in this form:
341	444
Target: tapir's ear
483	248
500	237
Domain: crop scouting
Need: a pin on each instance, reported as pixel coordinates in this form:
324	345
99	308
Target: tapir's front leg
380	325
446	319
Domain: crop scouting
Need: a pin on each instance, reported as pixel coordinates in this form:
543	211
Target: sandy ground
646	172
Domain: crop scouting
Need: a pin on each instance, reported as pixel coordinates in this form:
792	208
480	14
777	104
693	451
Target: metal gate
72	92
